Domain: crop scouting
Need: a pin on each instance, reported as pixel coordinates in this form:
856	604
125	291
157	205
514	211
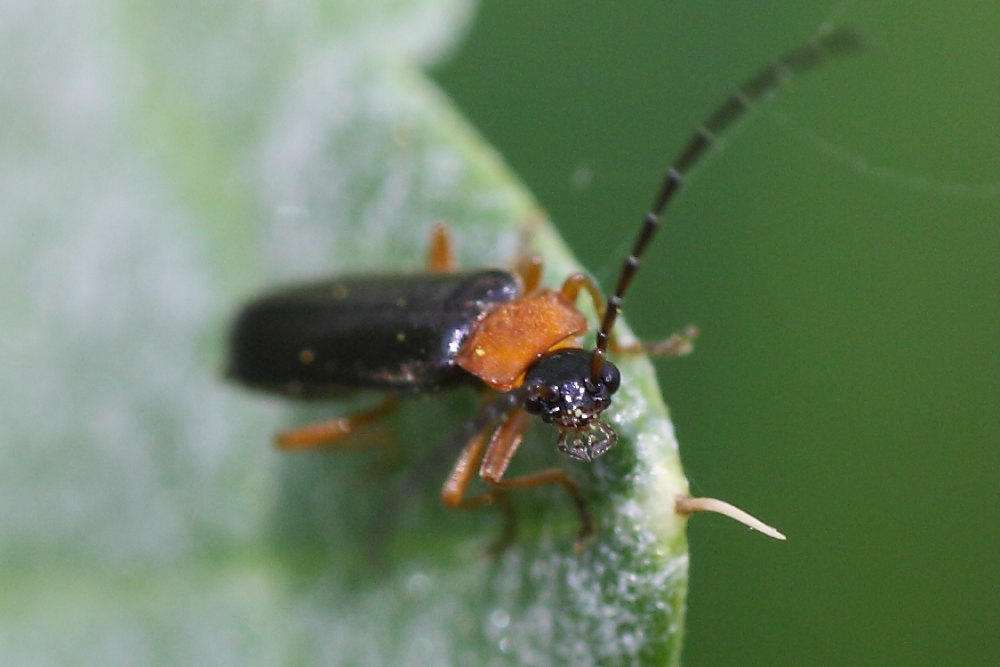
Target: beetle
492	328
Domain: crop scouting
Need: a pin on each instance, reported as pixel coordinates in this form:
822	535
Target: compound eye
538	396
611	377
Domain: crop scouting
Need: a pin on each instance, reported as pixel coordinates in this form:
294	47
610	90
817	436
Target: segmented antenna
817	51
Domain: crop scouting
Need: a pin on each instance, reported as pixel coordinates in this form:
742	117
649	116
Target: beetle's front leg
677	344
453	492
502	447
493	458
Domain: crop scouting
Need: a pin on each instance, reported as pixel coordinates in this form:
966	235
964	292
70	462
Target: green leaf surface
162	162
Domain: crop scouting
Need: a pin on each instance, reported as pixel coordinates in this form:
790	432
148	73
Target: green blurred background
841	258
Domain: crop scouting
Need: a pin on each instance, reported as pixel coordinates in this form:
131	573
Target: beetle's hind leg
333	433
677	344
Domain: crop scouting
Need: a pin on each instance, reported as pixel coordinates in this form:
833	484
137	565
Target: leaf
169	161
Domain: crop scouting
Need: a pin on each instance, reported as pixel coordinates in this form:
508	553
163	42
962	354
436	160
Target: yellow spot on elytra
480	352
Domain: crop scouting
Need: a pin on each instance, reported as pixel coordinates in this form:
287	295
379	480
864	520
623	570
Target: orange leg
530	270
574	283
330	434
441	252
556	476
676	345
495	457
453	492
503	445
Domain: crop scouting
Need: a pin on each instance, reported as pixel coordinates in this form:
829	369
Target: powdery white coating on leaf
104	300
610	616
360	208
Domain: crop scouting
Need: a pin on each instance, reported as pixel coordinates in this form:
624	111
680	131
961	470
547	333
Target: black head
561	390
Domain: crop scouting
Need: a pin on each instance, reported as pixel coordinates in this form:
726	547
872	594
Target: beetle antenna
841	41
